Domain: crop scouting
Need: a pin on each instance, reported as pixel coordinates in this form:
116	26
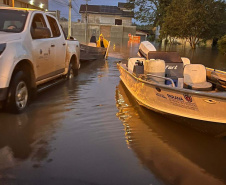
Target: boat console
173	68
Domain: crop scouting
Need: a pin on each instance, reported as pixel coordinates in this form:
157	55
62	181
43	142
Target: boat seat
185	61
195	78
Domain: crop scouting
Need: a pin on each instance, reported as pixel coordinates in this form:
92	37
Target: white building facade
108	15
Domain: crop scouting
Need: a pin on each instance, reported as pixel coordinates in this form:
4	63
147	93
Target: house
143	34
108	15
33	4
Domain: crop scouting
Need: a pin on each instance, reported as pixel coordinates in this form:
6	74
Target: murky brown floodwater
90	130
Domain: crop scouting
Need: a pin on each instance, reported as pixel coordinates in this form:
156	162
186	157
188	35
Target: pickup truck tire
71	71
19	93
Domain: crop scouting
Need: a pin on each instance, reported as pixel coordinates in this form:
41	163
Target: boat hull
91	53
180	102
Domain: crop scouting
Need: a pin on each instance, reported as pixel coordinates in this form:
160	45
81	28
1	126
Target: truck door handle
64	44
52	45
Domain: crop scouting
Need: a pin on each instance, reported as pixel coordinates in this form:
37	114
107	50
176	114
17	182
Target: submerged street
90	130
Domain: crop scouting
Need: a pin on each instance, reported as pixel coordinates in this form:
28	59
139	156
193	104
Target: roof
103	9
139	32
126	5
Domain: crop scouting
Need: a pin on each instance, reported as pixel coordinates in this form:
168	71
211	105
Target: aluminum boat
166	83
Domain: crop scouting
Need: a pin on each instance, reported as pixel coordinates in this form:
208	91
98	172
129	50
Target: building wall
109	31
26	4
2	3
106	19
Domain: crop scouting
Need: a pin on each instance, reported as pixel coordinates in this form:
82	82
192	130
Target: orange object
134	39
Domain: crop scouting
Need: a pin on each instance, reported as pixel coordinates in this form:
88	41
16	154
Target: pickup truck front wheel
18	96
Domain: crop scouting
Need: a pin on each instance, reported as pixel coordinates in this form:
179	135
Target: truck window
12	20
54	26
38	22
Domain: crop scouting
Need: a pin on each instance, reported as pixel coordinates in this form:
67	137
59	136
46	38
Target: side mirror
40	33
70	38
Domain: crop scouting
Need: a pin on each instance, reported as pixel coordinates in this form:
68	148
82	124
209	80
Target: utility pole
86	18
69	20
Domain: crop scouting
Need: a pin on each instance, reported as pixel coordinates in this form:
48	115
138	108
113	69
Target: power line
77	10
68	5
75	3
60	3
65	5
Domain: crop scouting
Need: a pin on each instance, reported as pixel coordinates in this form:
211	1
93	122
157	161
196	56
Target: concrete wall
106	19
1	3
109	31
117	31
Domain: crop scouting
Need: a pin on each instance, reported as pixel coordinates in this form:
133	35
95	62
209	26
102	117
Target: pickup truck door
41	50
59	44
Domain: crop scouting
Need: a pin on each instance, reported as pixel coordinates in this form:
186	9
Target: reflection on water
27	136
175	153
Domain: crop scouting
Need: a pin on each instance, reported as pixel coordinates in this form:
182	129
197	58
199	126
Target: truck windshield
12	20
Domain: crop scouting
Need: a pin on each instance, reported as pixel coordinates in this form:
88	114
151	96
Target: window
38	22
54	26
6	2
118	21
12	20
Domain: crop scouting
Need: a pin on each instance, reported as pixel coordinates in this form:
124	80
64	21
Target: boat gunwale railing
166	78
215	70
183	90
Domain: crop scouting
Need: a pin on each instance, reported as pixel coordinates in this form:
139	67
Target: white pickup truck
33	51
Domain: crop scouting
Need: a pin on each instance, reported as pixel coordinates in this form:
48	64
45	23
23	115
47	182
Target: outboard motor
144	48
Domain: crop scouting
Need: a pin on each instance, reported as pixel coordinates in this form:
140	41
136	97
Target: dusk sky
62	6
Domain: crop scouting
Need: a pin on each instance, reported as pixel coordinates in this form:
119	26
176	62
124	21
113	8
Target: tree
195	19
150	11
222	44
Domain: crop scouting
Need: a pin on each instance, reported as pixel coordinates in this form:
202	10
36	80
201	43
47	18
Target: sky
62	6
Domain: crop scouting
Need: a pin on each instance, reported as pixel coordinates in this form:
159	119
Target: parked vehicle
166	83
89	52
33	51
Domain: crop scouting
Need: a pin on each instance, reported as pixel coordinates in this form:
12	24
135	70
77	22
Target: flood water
90	130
